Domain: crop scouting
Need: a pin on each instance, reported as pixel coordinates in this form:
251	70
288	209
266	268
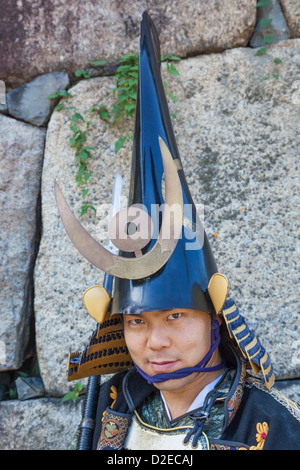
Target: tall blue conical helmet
182	282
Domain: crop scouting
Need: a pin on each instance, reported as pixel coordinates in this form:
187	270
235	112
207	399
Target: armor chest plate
141	436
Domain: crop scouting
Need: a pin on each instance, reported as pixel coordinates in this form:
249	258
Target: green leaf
80	137
78	386
135	67
103	113
75	397
59	107
23	374
84	155
129	57
132	82
116	109
123	69
72	141
53	96
130	108
123	97
263	3
37	369
13	393
134	74
77	117
80	173
172	69
120	142
265	22
132	94
277	60
86	177
63	93
170	95
83	209
74	128
84	193
82	73
261	51
268	39
68	396
93	109
169	57
97	63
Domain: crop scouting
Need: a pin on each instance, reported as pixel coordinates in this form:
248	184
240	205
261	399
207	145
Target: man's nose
158	338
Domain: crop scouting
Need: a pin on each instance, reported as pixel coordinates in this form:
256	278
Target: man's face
168	340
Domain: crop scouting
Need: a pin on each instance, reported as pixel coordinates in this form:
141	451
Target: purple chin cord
201	367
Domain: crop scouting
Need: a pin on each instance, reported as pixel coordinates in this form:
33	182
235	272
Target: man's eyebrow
132	314
157	313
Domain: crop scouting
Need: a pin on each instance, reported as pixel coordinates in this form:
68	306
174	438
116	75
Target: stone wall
236	129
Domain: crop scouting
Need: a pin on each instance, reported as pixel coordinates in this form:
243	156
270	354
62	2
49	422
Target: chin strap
201	367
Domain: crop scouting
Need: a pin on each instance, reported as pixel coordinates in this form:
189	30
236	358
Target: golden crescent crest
143	265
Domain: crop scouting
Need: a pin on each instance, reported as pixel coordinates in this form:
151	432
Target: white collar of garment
198	402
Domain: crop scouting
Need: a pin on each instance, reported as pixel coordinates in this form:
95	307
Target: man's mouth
162	366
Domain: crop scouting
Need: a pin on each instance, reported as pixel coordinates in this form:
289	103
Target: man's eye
174	316
136	321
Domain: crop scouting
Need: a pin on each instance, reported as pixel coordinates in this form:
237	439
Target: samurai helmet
167	263
182	281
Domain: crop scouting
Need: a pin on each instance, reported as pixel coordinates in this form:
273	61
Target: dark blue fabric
257	405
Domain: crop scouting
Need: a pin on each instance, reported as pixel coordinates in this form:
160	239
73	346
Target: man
172	337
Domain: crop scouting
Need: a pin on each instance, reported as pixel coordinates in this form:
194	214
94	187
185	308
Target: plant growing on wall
268	39
125	92
73	394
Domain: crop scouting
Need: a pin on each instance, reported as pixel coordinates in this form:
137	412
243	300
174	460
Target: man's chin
172	385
